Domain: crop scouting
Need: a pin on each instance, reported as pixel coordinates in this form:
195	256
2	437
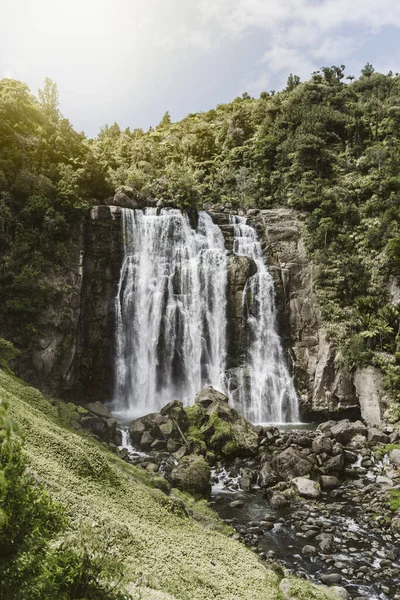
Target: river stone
345	430
329	482
180	453
99	409
227	431
394	457
340	593
306	487
325	543
331	578
192	474
278	500
309	550
236	504
247	478
291	463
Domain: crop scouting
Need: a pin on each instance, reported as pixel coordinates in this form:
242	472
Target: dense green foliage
47	177
31	568
327	148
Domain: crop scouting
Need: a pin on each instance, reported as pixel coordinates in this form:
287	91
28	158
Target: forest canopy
328	147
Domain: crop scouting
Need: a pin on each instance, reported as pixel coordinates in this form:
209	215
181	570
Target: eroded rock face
240	268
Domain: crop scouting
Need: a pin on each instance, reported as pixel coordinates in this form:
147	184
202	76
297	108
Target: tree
368	70
49	99
292	82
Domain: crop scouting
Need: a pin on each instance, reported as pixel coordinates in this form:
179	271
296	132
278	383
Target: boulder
122	199
376	436
136	430
291	463
345	430
192	474
267	476
335	464
104	429
309	550
226	431
278	500
99	409
306	487
146	440
394	457
322	443
175	412
340	593
208	395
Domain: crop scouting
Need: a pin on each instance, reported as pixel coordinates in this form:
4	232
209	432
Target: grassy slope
172	556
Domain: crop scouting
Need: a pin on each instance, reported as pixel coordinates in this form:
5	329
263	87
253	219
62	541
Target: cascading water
170	310
171	319
263	389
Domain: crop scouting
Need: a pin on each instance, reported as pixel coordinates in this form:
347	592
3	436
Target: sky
129	61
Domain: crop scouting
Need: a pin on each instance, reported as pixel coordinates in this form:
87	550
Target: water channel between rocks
358	554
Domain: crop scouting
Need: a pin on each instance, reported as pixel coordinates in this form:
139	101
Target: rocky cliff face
79	364
324	389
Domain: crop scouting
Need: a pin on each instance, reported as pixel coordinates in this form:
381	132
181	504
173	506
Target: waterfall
263	389
171	324
170	309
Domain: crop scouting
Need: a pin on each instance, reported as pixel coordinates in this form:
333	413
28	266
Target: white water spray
171	319
170	309
263	389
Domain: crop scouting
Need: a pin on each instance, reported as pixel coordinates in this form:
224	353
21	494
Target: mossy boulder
192	474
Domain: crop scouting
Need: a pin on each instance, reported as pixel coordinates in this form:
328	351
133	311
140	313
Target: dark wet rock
247	479
99	409
104	429
291	463
278	500
309	550
331	578
174	413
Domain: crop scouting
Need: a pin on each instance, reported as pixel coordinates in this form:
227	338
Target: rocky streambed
323	504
